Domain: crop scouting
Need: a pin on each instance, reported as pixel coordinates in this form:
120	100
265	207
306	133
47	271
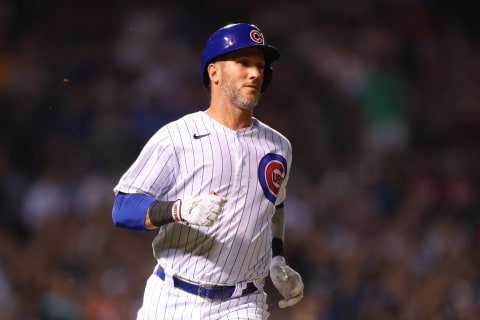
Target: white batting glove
201	211
287	281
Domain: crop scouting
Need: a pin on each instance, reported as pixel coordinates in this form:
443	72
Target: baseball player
213	184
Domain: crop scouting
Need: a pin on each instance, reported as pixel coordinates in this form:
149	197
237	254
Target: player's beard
236	97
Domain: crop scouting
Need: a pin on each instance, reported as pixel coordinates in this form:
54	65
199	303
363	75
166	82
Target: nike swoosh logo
199	136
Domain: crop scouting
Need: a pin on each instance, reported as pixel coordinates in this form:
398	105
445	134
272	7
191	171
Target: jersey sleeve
282	194
153	170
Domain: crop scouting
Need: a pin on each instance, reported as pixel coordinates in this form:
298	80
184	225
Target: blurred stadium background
380	99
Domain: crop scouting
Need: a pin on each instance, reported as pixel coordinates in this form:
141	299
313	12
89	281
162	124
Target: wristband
277	247
175	209
160	212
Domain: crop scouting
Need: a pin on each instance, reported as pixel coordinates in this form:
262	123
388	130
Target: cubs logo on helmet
272	171
256	36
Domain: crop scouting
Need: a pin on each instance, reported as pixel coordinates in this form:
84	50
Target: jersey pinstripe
195	155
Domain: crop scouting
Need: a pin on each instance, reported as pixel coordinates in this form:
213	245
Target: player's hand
287	281
201	211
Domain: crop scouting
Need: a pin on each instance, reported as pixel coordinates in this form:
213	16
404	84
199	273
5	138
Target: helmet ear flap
267	77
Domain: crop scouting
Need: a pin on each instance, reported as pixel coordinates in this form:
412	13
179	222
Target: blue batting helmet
233	37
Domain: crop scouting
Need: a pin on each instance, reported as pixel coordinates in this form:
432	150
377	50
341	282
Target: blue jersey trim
129	210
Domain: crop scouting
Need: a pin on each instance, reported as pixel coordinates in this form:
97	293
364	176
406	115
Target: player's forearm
141	212
148	225
278	231
158	214
129	210
278	223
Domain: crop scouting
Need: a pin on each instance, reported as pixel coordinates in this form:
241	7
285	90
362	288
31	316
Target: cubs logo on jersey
271	173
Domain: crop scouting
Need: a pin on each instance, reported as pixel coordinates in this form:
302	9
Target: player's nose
255	72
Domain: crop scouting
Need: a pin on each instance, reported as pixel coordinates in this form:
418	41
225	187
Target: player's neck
231	117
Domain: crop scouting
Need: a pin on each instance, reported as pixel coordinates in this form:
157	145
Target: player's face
242	77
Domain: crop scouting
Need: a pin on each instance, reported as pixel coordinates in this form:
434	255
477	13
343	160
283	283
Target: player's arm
278	231
287	281
144	212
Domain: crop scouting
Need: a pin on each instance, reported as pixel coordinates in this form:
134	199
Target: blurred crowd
380	99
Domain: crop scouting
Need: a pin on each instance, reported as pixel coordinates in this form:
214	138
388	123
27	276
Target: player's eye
243	62
261	67
248	63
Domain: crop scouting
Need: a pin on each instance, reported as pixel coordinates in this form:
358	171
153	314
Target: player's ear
213	72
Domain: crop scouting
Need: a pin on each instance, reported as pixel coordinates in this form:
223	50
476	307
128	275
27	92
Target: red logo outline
272	171
256	36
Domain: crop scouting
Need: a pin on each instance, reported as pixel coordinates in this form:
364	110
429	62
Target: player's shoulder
189	117
174	128
262	126
181	122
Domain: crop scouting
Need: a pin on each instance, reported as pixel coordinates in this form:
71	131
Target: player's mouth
253	86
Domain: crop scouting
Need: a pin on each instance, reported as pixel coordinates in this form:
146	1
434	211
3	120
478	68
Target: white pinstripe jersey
195	155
